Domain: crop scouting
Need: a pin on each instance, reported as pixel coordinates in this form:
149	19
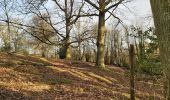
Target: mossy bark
161	14
67	48
101	35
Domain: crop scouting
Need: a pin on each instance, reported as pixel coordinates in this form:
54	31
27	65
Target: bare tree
68	11
104	7
6	7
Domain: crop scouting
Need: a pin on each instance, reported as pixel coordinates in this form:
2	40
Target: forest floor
35	78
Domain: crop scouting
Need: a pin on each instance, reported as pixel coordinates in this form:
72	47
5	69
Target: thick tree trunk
100	41
161	14
67	53
67	45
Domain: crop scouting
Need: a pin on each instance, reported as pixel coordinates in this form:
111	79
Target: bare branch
114	5
92	4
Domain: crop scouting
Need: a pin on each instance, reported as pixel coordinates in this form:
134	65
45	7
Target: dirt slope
34	78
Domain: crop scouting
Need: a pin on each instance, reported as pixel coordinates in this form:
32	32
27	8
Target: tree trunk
100	41
116	49
79	39
132	72
67	53
161	14
67	45
112	49
79	51
8	28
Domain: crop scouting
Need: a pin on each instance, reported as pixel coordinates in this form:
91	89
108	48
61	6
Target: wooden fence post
132	72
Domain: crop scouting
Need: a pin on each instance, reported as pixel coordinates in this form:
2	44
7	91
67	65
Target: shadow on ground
35	78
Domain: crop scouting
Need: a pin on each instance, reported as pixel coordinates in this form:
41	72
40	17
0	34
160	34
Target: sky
139	9
142	6
137	15
140	12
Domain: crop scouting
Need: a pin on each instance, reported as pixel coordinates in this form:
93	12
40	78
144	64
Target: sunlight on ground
28	86
100	78
57	69
13	79
36	74
126	95
80	75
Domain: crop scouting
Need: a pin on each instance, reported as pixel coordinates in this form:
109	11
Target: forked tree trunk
100	37
67	54
161	14
104	6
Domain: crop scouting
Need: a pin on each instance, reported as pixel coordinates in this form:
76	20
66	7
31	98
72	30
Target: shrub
62	53
6	48
150	67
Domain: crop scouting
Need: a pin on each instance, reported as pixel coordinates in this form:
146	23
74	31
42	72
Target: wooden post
132	72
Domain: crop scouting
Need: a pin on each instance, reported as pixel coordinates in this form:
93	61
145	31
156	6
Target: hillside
35	78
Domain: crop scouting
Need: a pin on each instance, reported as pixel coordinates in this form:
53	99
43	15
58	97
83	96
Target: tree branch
114	5
92	4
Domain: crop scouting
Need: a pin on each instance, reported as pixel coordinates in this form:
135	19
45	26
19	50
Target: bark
112	50
8	25
104	6
132	72
67	53
161	14
127	37
100	37
116	49
107	59
79	40
67	45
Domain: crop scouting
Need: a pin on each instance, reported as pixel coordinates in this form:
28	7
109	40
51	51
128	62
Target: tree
161	15
68	9
132	72
68	12
104	7
42	30
83	34
7	6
